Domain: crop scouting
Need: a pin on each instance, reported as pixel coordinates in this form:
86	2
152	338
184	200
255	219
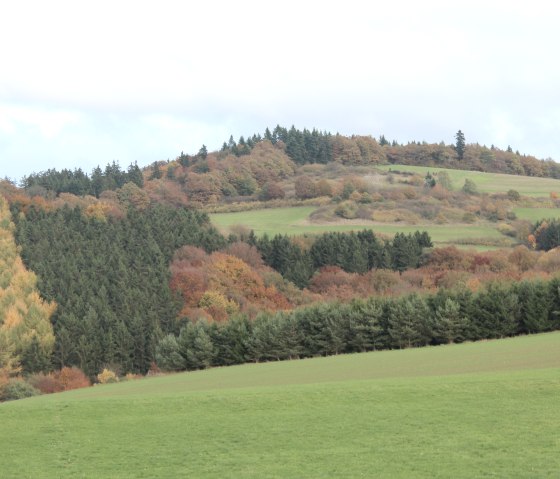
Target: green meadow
535	214
293	221
488	182
486	409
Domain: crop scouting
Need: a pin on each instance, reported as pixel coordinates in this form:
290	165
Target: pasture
294	221
487	409
488	182
535	214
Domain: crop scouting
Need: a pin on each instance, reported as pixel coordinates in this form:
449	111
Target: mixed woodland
120	271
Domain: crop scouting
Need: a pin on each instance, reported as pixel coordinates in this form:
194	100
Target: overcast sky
85	83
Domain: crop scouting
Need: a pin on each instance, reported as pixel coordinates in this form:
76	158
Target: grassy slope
489	409
489	182
292	221
535	214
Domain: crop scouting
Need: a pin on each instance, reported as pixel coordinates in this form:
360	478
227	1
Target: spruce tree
460	144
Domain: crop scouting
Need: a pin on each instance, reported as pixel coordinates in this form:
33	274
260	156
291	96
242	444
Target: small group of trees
218	285
499	310
546	234
79	183
353	252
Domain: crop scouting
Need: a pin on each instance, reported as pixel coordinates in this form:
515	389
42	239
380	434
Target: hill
471	410
128	261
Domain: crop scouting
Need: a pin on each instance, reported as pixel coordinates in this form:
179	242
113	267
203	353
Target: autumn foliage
219	284
26	334
63	380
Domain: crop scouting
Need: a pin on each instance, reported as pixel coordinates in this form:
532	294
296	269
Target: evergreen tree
460	144
168	356
534	307
448	322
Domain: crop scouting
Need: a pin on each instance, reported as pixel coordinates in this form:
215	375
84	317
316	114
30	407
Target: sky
88	83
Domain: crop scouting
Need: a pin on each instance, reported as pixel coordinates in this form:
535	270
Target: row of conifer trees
498	310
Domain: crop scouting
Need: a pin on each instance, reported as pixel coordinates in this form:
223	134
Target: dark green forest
353	252
110	280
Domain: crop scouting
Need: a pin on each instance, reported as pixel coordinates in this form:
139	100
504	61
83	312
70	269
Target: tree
407	319
168	356
203	152
460	144
156	171
448	322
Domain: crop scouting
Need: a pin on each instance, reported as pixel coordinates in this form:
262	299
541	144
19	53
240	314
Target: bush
470	187
271	191
17	389
346	209
63	380
46	383
107	377
73	378
513	195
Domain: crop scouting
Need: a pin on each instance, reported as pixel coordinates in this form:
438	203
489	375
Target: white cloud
49	124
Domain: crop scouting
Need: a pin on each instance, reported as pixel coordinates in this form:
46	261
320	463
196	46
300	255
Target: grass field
293	221
535	214
487	409
489	182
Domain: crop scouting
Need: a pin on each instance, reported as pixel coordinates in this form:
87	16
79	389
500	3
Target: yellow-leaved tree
26	333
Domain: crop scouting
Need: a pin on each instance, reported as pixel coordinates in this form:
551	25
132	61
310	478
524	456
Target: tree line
448	316
79	183
315	146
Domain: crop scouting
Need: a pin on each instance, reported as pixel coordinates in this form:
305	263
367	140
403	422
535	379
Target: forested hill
254	167
125	258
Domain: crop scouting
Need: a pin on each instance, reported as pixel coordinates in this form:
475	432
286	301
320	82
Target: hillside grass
535	214
487	409
294	221
488	182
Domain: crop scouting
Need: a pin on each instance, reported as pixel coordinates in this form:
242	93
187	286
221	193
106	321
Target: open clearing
488	182
294	221
487	409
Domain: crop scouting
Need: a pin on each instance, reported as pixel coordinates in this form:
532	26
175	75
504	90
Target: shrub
470	187
346	209
107	377
72	378
271	191
17	389
506	229
513	195
46	383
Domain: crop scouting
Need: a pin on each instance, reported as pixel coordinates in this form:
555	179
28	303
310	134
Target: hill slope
479	409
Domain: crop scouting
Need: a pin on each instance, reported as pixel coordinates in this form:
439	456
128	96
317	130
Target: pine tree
460	144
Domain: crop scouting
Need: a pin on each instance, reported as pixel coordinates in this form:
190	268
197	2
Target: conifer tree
460	144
